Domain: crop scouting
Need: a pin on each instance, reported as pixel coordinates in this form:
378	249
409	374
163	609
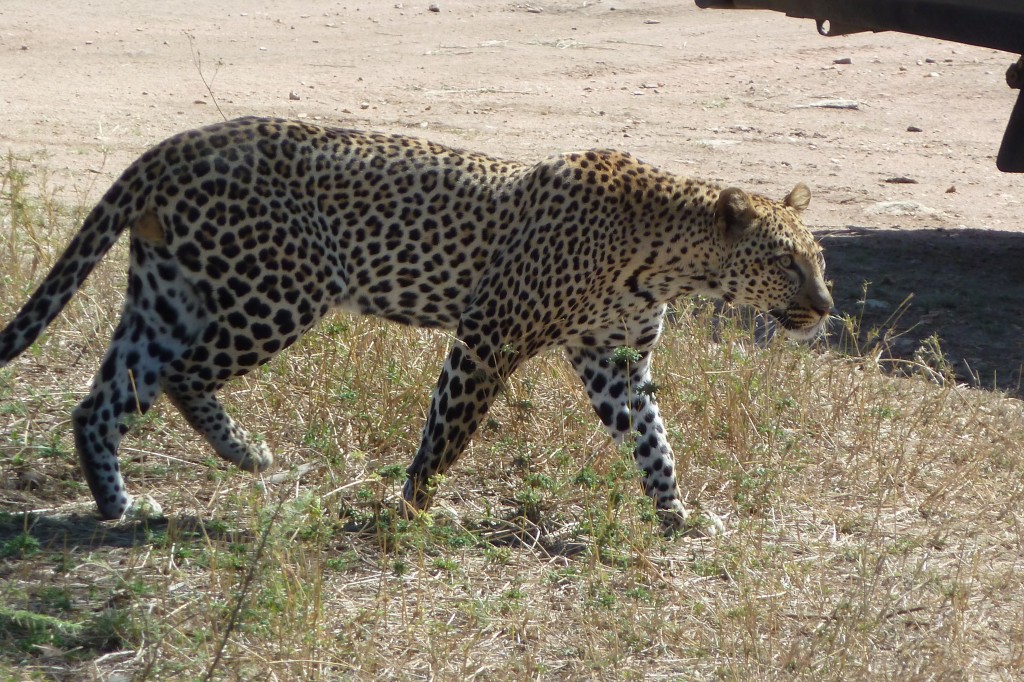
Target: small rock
914	129
291	475
294	96
929	60
434	7
831	104
901	208
364	105
715	143
24	47
652	21
934	74
142	509
842	60
951	189
29	480
901	180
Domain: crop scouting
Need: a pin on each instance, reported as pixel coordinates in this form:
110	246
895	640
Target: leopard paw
678	519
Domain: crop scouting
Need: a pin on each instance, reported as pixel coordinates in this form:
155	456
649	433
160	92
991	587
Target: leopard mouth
799	327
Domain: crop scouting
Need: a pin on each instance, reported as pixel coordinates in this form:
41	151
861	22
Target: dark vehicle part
997	24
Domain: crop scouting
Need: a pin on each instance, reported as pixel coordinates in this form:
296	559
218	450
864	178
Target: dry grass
874	523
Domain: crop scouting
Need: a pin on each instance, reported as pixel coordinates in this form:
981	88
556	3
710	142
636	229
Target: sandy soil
86	86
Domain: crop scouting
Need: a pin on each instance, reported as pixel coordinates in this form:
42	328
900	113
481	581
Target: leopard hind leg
159	320
224	350
244	334
197	401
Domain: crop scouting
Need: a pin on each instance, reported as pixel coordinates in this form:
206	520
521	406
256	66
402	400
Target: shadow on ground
87	532
965	286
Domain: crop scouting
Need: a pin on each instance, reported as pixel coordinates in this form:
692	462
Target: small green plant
21	546
623	356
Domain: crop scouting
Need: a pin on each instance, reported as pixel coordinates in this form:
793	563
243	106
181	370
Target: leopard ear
799	198
734	213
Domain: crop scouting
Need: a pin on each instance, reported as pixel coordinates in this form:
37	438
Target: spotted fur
244	234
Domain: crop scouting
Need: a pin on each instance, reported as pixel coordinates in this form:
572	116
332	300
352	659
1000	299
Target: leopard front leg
463	395
621	392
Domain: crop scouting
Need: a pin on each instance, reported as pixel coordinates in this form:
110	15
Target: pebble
434	7
914	129
842	60
294	96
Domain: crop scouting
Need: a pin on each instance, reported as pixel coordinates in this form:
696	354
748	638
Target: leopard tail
104	224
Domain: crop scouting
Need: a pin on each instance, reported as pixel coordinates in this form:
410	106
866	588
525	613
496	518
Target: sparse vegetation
874	522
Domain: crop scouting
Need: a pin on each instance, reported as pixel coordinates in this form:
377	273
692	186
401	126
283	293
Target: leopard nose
821	299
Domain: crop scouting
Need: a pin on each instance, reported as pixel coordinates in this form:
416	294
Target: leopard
244	234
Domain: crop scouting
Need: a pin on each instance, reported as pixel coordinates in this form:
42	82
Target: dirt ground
906	194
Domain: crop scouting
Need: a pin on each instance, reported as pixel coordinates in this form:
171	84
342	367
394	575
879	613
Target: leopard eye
785	261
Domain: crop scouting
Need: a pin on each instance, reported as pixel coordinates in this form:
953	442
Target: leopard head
771	260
